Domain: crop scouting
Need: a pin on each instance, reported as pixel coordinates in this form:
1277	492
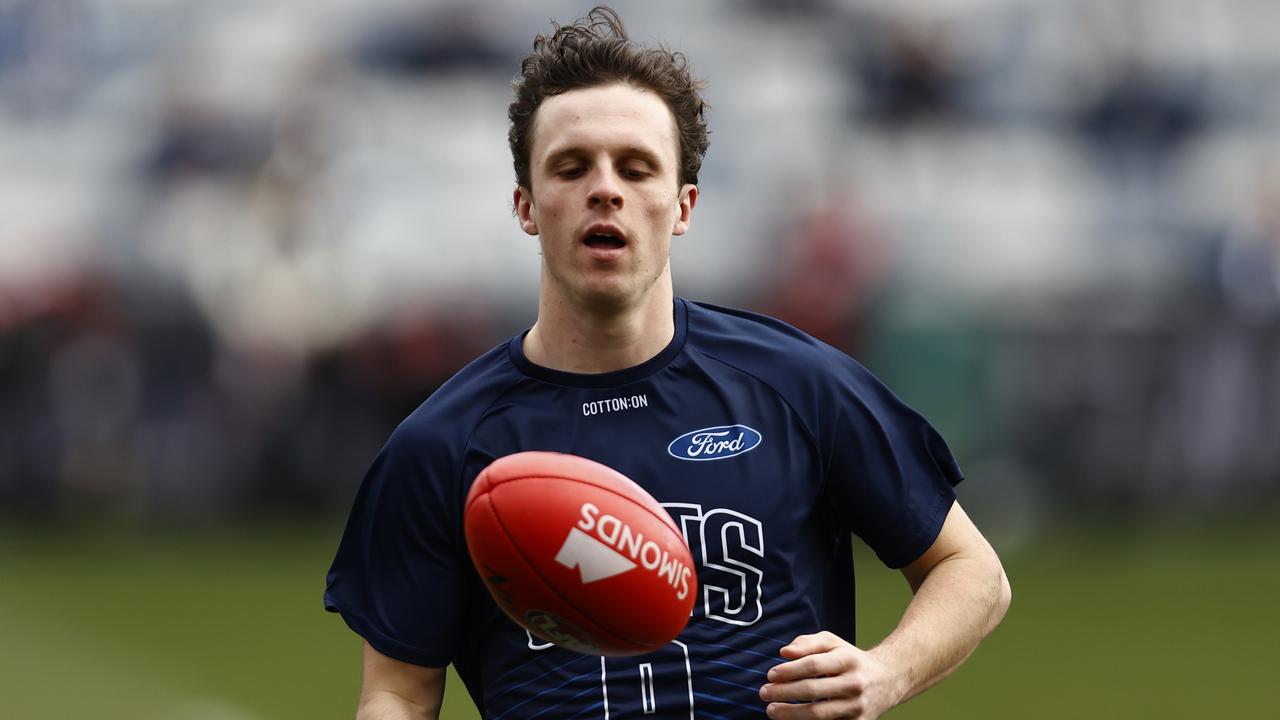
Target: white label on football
594	560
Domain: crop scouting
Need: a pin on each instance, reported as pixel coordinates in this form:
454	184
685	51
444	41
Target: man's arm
961	595
394	690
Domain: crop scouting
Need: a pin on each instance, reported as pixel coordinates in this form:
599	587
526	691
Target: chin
605	300
607	293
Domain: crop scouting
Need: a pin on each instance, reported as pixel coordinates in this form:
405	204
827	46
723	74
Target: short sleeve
400	575
889	474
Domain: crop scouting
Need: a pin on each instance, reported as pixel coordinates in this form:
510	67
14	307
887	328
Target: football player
768	448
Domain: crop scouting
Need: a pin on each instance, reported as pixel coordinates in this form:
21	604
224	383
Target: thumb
810	644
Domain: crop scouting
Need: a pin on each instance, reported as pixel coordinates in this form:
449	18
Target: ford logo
714	443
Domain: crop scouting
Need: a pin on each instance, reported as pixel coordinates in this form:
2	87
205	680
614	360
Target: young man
607	140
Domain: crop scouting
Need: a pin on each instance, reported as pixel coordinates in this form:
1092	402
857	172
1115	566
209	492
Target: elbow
1004	596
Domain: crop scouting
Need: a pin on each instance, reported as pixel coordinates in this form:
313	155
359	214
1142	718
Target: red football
579	554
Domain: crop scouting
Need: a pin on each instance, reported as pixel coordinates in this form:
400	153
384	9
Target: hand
833	678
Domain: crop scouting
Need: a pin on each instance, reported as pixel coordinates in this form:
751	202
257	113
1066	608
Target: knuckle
840	664
832	711
800	690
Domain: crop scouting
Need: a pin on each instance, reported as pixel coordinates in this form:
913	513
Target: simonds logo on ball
613	547
714	443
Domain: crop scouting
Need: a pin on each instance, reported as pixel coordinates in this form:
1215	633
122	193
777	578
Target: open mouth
604	241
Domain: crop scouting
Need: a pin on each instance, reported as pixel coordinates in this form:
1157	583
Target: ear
685	201
523	200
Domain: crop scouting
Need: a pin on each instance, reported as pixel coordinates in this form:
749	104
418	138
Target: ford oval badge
714	443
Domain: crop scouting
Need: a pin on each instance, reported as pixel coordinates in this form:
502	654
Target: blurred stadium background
239	241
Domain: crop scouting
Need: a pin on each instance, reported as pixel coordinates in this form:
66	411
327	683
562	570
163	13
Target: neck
577	339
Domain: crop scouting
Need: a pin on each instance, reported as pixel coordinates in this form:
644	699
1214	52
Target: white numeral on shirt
665	682
646	688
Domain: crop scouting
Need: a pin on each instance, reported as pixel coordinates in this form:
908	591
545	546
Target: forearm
384	705
960	601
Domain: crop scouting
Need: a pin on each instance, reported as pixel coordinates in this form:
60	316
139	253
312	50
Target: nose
605	190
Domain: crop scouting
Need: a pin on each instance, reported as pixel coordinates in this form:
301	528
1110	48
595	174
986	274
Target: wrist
897	680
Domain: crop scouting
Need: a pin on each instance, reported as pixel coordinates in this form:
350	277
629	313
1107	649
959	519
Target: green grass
1171	624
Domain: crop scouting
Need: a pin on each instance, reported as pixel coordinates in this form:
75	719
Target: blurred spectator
449	38
1249	258
119	403
197	140
905	68
1143	116
827	268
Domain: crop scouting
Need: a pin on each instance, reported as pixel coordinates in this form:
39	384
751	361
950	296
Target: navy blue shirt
767	447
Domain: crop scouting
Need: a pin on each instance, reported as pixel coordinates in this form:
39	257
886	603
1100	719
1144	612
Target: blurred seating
238	244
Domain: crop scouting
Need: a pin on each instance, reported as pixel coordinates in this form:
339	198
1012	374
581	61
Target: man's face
605	199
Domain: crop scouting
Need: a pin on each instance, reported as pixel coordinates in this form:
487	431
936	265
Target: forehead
605	117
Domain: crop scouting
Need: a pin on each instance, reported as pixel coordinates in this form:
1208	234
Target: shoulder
819	382
449	415
765	347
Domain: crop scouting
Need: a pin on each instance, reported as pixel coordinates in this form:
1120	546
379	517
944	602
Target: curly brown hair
595	50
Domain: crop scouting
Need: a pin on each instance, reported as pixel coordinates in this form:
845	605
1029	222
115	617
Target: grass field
230	627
